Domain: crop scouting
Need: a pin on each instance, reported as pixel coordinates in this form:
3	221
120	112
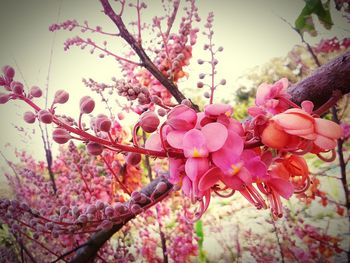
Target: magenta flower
268	96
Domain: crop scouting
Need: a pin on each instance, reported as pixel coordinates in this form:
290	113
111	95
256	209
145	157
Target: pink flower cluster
219	153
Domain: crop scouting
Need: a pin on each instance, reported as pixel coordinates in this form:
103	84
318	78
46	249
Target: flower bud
17	87
120	116
200	84
136	209
9	72
223	82
161	112
103	123
133	158
61	96
94	148
161	187
45	116
61	136
87	104
29	117
36	92
4	98
149	121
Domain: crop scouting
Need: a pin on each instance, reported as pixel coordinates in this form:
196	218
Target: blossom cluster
220	153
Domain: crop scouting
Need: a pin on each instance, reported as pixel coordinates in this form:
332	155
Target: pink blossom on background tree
202	151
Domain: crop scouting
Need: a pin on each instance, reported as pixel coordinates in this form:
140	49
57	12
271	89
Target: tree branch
87	253
146	61
317	88
320	85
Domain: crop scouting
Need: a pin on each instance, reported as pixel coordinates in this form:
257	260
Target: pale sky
250	31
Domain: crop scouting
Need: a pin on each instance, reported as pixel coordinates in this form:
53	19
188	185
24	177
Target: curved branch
88	252
320	85
146	61
318	88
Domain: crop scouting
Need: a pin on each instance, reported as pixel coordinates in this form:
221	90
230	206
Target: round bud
61	96
45	116
36	92
149	121
87	104
94	148
223	82
17	87
161	112
186	102
133	158
29	117
136	209
200	85
120	116
103	123
161	187
4	98
201	75
9	72
61	136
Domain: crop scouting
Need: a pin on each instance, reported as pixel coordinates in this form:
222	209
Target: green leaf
305	23
200	235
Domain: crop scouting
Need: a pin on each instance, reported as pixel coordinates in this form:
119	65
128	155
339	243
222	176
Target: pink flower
296	128
267	96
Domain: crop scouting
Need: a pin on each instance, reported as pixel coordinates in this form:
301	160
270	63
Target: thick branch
320	85
87	253
146	61
317	88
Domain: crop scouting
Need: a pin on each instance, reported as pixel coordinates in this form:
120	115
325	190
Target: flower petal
230	152
153	142
282	187
215	134
196	167
175	138
194	144
217	109
328	128
209	179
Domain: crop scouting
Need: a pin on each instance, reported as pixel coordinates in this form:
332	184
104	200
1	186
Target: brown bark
320	85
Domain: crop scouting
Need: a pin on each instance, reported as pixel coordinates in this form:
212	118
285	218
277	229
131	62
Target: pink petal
232	148
232	182
325	143
254	164
245	176
186	186
262	94
282	187
255	111
153	142
328	128
292	121
175	138
175	167
209	179
236	127
215	134
182	117
307	106
218	109
200	116
196	167
194	140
